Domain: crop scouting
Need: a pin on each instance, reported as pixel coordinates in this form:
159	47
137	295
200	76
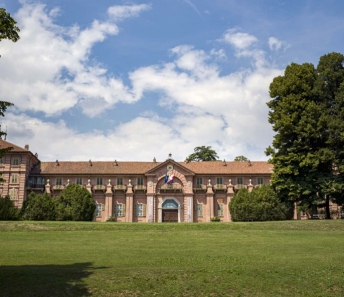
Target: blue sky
133	80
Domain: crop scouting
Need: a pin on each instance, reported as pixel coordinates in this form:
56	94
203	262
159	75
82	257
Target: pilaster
88	186
108	201
250	186
129	203
47	187
210	201
230	194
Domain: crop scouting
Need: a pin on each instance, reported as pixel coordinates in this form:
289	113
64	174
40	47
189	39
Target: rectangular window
120	210
99	181
260	181
59	181
99	210
240	181
219	180
140	181
40	180
15	162
220	210
140	210
199	182
13	194
14	179
199	209
119	181
1	161
79	181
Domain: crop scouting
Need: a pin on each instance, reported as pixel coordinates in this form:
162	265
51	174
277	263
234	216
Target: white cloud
239	40
274	43
49	70
120	12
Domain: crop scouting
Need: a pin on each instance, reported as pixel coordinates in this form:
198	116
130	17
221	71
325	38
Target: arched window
169	203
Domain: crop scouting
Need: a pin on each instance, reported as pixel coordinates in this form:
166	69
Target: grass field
290	258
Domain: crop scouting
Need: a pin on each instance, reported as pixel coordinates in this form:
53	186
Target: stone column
190	209
108	201
150	218
230	194
210	201
129	197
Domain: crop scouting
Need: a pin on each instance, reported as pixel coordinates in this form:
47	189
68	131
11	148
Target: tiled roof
253	167
142	167
5	144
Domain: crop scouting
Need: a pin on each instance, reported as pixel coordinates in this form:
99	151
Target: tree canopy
240	159
307	114
203	153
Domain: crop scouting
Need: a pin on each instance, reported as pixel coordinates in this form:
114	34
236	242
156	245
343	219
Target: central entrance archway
169	210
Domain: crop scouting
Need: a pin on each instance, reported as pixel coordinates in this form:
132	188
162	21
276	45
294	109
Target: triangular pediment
169	162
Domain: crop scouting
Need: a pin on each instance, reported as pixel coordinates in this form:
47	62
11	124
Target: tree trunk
327	207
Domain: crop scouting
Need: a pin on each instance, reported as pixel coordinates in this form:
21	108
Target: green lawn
291	258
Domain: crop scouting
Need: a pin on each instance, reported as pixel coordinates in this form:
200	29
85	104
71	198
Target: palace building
167	191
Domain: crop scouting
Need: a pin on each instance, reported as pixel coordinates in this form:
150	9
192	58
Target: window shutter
103	207
220	210
196	207
123	210
136	210
200	210
143	210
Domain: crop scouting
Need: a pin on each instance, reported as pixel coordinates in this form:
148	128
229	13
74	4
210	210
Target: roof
106	167
5	144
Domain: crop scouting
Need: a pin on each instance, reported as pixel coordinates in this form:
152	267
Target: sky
134	80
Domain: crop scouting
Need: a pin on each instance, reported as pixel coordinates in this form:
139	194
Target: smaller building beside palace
136	191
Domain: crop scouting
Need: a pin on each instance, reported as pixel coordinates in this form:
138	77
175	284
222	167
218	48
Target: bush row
74	204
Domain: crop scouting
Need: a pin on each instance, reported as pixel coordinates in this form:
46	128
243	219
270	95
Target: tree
75	204
262	204
307	113
7	209
8	30
39	207
203	153
240	159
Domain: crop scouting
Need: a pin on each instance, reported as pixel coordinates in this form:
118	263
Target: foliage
39	207
112	219
203	153
215	219
75	204
307	114
7	209
240	159
262	204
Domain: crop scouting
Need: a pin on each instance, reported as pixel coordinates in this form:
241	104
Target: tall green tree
240	159
307	149
39	207
75	204
203	153
8	30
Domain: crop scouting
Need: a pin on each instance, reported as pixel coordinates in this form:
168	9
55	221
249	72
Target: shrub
7	209
39	207
215	219
112	219
262	204
75	204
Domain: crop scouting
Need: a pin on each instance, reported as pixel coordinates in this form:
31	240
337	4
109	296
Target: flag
166	178
170	179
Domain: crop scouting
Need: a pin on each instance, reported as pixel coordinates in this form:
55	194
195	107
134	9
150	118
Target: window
140	210
99	208
199	182
99	181
1	161
59	181
13	194
199	209
239	181
79	181
40	180
119	181
219	180
14	178
120	210
260	181
140	181
15	162
220	210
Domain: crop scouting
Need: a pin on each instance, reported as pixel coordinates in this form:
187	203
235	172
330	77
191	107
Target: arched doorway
170	210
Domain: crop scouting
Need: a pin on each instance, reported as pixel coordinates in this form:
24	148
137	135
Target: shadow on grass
45	280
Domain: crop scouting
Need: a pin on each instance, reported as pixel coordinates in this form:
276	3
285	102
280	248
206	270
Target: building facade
136	191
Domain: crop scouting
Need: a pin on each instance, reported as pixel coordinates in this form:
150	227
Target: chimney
26	147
